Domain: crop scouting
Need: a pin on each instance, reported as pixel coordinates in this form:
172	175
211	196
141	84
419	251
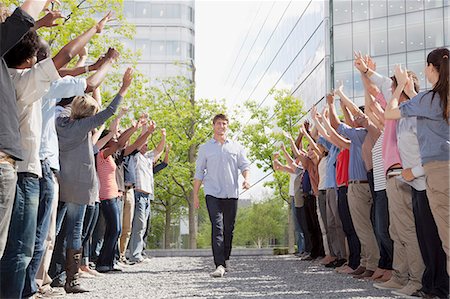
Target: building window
158	10
415	31
416	63
143	45
378	8
342	11
433	3
173	11
128	9
434	28
378	42
143	9
396	7
343	71
447	24
342	42
396	59
173	48
414	5
396	32
361	36
158	48
360	10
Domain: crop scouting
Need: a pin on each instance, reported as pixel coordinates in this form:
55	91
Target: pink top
106	170
390	153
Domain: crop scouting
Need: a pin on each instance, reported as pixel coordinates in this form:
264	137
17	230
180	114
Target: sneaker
85	274
407	290
307	258
367	273
388	285
49	292
227	266
219	272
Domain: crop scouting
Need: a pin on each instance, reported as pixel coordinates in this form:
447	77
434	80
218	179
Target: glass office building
165	37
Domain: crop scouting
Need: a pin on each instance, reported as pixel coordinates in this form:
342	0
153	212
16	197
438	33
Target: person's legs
128	212
46	190
298	229
403	218
111	212
323	225
42	276
21	236
360	203
8	180
139	224
313	226
229	208
74	227
438	190
58	260
301	215
217	239
381	225
354	246
90	220
334	226
435	279
97	235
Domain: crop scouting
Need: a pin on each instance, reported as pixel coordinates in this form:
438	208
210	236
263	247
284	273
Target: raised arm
295	150
374	115
70	50
89	123
34	7
334	120
392	111
335	137
160	147
346	101
140	141
97	133
311	141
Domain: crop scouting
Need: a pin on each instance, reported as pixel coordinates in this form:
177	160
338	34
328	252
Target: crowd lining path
250	277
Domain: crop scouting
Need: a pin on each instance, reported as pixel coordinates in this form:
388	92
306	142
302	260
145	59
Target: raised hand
151	126
126	81
163	132
360	64
276	155
101	24
287	135
401	75
112	54
114	125
50	18
122	112
330	99
370	63
340	88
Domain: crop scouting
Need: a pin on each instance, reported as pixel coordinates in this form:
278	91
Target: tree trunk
167	230
291	229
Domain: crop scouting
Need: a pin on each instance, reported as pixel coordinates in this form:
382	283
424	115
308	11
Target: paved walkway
251	277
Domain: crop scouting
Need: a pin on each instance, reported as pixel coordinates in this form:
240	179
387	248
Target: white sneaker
227	266
220	271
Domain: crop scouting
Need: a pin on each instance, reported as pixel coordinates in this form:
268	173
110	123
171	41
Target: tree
262	135
189	124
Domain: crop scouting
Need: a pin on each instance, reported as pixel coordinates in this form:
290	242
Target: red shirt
342	162
106	170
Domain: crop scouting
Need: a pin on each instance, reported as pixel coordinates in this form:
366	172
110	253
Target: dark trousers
312	221
435	279
222	213
381	227
354	245
110	209
90	220
380	222
57	271
301	216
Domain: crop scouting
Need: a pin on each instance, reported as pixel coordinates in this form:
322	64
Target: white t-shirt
144	172
31	85
379	179
291	184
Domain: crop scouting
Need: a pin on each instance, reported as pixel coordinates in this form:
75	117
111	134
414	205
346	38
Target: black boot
73	260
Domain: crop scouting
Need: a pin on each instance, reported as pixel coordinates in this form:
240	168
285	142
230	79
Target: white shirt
31	85
379	178
323	172
291	184
144	172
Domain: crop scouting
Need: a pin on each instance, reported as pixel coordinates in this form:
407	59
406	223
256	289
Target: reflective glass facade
165	37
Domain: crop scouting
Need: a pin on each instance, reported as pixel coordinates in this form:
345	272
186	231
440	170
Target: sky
220	27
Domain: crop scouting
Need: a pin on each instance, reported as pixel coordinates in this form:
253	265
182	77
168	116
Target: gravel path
251	277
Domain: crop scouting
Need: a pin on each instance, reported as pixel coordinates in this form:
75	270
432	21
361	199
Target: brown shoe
358	271
73	259
386	276
327	259
367	273
377	274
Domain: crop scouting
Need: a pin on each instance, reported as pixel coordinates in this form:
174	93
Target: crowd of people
371	191
74	195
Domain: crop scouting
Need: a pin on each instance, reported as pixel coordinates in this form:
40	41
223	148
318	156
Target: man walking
218	163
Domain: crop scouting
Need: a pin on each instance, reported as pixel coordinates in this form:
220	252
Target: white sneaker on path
219	272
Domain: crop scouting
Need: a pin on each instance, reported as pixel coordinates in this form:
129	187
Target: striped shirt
379	178
106	170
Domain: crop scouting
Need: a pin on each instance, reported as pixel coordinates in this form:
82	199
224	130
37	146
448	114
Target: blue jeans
97	236
90	220
381	227
8	181
110	209
46	195
141	214
22	230
298	229
57	264
74	224
222	214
